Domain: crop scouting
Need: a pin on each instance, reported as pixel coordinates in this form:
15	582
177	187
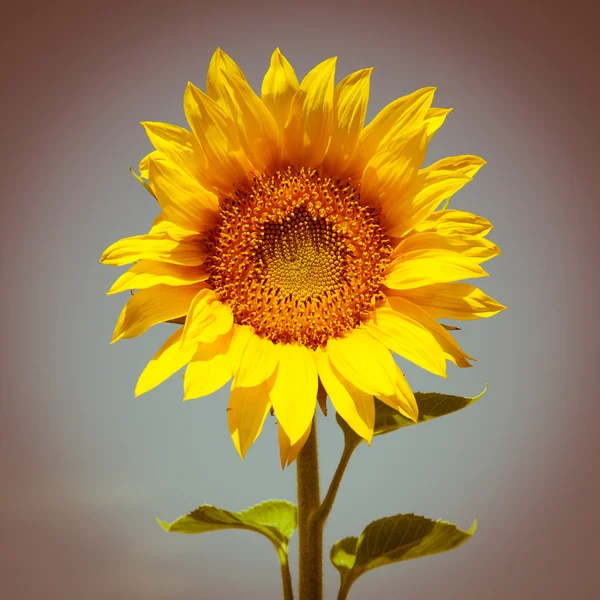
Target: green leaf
275	519
343	554
431	406
393	539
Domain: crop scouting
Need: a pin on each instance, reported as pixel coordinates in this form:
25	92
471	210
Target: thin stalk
350	444
344	589
286	578
310	532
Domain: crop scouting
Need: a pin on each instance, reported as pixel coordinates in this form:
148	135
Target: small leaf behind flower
431	406
275	519
393	539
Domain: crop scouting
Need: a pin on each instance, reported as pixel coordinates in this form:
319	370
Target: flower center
301	257
297	257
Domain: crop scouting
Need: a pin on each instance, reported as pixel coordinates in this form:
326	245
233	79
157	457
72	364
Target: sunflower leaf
431	406
275	519
393	539
343	554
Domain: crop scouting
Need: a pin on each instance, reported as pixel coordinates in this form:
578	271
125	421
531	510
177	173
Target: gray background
86	468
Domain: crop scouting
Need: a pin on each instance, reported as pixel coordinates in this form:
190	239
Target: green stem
286	578
350	444
310	532
344	589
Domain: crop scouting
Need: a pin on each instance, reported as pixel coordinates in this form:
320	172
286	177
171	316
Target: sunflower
298	249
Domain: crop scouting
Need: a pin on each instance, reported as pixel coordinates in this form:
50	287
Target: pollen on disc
297	257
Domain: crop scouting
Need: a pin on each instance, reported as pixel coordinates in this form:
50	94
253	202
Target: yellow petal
257	128
435	119
254	358
182	198
294	393
146	161
353	405
424	267
465	164
162	134
426	194
209	368
476	248
364	362
227	165
308	127
434	184
350	101
403	399
147	273
154	305
162	224
288	452
167	361
278	88
407	111
444	340
219	62
241	338
455	222
189	252
392	170
246	414
408	338
460	301
177	144
207	318
143	176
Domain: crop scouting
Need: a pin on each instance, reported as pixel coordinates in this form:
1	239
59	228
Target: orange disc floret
297	257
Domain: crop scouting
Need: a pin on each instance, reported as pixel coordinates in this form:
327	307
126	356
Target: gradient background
86	468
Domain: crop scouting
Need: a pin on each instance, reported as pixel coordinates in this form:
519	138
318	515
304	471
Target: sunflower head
297	258
298	248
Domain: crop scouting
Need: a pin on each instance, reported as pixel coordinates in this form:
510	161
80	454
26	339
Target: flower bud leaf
431	406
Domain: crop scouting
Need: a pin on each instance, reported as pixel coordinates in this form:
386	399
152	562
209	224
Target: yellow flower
295	245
